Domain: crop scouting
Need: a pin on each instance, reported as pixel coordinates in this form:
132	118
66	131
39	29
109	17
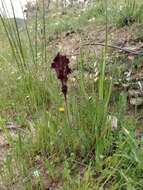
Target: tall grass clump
29	56
127	12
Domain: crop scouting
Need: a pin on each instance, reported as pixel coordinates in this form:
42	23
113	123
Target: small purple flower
61	66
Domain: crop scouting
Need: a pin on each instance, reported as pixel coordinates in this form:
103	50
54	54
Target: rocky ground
130	80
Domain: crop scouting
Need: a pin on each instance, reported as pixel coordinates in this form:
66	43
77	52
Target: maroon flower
61	66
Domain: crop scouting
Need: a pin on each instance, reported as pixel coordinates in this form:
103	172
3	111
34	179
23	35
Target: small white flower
73	79
60	48
120	7
73	57
92	19
27	97
101	156
36	173
12	72
19	78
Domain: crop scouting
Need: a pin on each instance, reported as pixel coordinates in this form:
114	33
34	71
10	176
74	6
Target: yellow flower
61	109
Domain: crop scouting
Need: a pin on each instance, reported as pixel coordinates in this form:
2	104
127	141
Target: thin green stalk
30	41
44	53
9	30
36	36
103	65
18	36
67	113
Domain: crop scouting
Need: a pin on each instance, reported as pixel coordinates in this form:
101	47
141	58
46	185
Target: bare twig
128	51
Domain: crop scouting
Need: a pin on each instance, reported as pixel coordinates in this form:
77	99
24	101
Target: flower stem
67	112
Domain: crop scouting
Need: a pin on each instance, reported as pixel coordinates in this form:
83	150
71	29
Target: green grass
85	152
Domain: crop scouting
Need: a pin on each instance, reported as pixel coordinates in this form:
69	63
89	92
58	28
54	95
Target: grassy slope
49	153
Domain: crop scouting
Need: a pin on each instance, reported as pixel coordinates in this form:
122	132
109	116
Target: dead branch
125	50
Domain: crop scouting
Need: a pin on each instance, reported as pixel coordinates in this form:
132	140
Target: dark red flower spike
61	66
